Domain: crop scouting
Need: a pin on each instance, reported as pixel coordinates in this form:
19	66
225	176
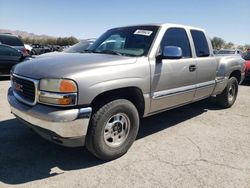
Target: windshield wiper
108	52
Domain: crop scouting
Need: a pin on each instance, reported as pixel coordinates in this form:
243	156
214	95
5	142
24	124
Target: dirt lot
198	145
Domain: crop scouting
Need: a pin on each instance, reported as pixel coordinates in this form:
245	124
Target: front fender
92	83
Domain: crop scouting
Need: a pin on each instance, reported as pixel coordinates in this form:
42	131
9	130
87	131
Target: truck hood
63	65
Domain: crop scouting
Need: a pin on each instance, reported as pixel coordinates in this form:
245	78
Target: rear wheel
227	98
113	129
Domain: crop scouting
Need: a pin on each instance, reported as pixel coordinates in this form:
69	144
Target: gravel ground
199	145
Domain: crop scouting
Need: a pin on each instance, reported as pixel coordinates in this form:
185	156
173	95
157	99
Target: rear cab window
200	43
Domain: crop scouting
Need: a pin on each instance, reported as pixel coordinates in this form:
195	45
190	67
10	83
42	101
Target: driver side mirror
171	52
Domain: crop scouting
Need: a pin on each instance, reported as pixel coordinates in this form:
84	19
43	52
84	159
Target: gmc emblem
18	87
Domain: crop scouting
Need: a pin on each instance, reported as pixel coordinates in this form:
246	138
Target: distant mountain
25	34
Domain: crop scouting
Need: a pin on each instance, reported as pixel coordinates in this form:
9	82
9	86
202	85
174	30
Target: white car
28	48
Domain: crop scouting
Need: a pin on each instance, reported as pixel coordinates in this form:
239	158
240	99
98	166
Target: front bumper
66	127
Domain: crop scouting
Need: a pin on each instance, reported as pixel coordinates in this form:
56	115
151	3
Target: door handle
192	68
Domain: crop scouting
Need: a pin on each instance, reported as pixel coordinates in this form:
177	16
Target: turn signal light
67	86
65	101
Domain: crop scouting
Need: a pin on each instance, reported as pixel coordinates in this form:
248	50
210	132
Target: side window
200	43
177	37
7	51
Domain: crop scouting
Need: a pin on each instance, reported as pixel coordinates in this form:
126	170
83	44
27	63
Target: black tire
95	141
227	98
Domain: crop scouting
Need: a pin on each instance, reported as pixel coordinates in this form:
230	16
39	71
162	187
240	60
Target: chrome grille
24	89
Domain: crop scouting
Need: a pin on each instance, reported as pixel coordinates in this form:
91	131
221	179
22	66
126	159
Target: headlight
59	92
58	85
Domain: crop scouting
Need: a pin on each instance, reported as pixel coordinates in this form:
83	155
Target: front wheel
227	98
113	129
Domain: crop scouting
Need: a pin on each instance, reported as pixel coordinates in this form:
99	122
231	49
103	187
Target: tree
217	42
247	46
72	40
229	45
51	41
240	47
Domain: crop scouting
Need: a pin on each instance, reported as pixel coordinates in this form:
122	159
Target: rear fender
226	66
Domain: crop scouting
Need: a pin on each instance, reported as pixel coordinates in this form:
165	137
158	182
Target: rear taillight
25	53
245	66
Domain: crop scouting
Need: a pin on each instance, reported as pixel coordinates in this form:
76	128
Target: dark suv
9	57
13	41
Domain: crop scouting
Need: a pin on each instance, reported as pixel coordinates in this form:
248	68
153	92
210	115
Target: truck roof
168	25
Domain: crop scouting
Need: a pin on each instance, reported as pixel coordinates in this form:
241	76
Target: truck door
173	80
206	65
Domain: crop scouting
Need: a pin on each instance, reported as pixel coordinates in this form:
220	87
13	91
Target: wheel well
236	74
133	94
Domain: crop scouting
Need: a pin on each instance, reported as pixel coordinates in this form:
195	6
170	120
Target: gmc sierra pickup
97	98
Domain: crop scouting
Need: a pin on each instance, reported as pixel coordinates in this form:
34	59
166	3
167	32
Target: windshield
246	56
127	41
79	47
226	52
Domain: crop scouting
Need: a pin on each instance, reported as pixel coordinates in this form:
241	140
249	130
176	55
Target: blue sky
228	19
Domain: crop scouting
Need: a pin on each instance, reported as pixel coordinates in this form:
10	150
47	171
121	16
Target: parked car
13	41
229	52
9	57
65	47
97	98
28	48
246	56
47	49
37	49
57	48
216	51
79	47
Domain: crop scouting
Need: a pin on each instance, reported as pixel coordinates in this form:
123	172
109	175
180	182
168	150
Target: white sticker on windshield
143	32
